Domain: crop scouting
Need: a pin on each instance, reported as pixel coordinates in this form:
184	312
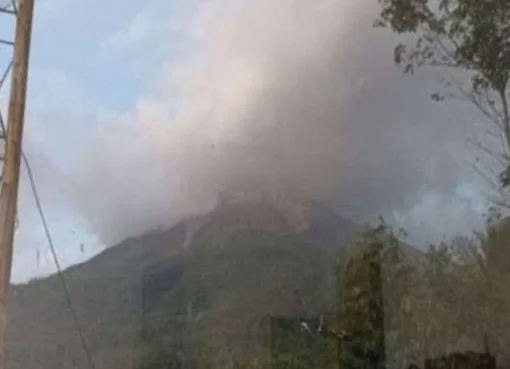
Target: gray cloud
295	91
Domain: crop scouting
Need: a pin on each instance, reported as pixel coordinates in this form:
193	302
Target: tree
391	299
487	282
469	286
442	301
471	37
367	267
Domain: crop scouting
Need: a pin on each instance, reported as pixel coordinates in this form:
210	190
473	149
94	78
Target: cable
6	73
57	263
14	7
54	253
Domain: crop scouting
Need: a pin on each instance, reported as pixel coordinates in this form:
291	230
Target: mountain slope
201	289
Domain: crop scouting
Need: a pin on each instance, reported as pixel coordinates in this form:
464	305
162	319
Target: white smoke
298	91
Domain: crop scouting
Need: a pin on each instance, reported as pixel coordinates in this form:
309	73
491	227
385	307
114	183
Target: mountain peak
294	206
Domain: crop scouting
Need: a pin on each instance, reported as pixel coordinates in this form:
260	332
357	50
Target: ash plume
297	92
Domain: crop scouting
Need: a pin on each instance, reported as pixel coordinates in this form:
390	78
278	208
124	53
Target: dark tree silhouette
471	37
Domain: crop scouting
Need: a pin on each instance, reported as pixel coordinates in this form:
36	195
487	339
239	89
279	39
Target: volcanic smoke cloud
298	92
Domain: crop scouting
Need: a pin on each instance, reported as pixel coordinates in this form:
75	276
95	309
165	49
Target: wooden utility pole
14	136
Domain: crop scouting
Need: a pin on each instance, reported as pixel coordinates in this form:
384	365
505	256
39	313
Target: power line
6	73
12	9
57	263
49	238
19	64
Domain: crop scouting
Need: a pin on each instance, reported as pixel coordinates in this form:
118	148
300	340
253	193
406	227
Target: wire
54	253
6	73
14	7
57	263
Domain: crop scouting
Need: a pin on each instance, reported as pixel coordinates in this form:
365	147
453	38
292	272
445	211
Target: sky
141	112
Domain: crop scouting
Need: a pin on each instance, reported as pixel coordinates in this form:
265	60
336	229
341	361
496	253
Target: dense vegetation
454	299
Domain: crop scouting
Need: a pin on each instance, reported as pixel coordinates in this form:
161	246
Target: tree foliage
468	36
360	302
447	300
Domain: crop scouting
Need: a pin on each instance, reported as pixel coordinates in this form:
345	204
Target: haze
290	92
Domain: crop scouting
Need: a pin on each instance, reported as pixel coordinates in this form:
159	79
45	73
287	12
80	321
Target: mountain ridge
205	280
